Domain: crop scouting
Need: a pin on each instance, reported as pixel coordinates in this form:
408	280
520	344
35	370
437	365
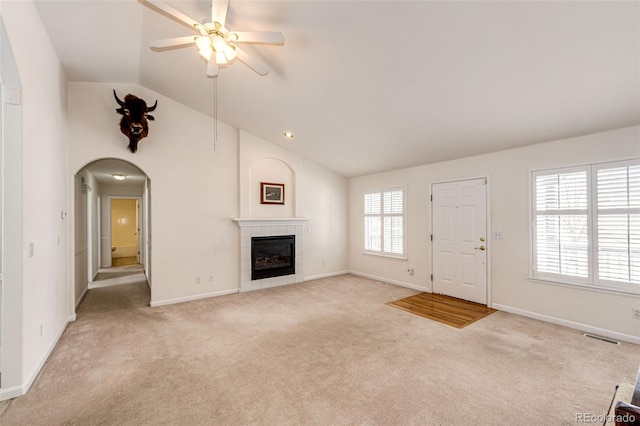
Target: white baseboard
81	298
570	324
317	277
27	385
192	298
10	393
394	282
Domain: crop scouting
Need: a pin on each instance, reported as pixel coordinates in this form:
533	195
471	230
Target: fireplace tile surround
269	227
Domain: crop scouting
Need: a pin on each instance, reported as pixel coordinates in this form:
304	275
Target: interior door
459	224
138	232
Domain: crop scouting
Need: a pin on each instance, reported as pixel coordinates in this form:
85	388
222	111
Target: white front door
459	224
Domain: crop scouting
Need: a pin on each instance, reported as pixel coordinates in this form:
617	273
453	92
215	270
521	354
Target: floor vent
604	339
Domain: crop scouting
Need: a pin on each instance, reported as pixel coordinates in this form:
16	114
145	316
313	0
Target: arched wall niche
262	161
272	170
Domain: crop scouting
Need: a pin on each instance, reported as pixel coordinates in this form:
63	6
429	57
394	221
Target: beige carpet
326	352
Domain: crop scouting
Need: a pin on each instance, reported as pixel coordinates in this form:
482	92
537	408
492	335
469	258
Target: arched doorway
99	185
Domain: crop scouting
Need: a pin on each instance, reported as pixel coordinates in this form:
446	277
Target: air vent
601	338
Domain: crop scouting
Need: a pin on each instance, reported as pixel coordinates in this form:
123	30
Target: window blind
586	225
618	233
384	222
561	223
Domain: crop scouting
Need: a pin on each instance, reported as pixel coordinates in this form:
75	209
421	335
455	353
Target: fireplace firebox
272	256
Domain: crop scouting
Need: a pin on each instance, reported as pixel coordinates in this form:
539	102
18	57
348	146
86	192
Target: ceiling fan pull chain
215	114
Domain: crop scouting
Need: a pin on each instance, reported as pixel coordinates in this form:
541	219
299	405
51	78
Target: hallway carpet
325	352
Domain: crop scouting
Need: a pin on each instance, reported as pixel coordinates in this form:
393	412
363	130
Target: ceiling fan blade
173	13
172	42
219	11
252	63
212	67
267	37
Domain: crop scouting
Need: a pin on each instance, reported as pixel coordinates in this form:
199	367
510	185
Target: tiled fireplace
257	228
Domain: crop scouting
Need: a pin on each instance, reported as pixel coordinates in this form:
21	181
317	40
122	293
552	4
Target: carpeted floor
325	352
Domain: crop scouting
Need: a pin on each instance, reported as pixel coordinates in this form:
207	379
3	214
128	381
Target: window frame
382	216
592	281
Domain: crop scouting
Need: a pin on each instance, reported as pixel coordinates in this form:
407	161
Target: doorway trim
139	218
486	177
145	204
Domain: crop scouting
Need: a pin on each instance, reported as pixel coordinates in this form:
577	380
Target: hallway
122	287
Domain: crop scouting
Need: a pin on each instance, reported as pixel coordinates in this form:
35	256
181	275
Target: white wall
508	173
93	207
47	298
80	246
261	161
311	191
194	189
11	310
326	197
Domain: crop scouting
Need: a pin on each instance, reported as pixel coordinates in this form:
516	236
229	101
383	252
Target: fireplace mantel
268	221
267	227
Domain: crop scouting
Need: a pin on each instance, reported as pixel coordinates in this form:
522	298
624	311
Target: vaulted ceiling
369	86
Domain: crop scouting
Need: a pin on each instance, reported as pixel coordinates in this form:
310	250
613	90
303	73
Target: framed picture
271	193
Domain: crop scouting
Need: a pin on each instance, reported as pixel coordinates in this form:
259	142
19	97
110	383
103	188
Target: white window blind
618	225
586	225
384	222
561	223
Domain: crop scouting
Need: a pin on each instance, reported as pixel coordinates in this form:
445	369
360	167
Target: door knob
480	248
482	239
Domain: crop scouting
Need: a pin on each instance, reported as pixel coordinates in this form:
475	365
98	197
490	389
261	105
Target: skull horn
153	107
118	99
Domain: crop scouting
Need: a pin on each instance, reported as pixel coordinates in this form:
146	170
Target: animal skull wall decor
135	114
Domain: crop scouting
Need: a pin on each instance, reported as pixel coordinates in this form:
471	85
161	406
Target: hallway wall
45	296
194	191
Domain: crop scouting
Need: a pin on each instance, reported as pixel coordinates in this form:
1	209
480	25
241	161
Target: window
384	222
586	225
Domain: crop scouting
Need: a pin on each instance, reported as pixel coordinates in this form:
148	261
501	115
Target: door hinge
431	277
431	237
431	197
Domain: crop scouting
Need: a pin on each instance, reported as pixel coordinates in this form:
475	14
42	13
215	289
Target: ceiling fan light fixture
229	52
221	59
204	47
219	44
214	37
203	43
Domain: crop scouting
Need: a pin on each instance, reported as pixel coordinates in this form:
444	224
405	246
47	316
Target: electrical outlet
210	277
197	280
41	330
410	271
635	313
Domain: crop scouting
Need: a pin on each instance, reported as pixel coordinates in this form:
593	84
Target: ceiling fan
216	44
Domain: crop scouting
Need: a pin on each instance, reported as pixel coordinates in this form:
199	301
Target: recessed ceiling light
288	134
119	176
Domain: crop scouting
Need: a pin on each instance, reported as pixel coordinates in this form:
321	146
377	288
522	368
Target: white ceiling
369	86
103	171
